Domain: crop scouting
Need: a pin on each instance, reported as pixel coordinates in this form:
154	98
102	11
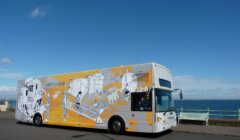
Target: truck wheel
37	120
116	126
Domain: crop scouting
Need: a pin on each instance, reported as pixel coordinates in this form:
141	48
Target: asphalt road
11	130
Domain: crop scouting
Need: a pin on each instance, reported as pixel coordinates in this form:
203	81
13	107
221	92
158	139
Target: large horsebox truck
134	98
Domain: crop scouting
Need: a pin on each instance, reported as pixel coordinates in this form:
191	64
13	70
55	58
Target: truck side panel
86	99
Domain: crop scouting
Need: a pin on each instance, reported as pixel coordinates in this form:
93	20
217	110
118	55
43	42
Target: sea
226	109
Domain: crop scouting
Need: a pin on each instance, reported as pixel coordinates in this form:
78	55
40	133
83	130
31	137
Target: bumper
162	127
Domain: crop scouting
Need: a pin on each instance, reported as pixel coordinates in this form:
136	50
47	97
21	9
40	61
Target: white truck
133	98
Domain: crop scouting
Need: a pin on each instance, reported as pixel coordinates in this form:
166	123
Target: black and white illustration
30	98
93	86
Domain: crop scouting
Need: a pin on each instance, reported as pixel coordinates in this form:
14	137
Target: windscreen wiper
164	113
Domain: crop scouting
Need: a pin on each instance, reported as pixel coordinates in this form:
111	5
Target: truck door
141	109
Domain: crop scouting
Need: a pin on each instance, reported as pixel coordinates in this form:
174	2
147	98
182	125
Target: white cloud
7	92
6	89
203	88
6	60
190	82
40	11
11	75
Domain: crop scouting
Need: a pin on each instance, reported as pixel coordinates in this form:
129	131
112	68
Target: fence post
238	113
208	111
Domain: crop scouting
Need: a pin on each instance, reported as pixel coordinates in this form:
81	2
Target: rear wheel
19	122
37	120
116	126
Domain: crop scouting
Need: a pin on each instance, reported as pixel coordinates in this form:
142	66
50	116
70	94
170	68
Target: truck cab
163	104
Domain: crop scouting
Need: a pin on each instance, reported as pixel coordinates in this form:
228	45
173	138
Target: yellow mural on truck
119	99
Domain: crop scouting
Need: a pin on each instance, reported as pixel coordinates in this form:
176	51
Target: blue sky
198	40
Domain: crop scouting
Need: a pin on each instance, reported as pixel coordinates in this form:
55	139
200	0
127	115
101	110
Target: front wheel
37	120
116	126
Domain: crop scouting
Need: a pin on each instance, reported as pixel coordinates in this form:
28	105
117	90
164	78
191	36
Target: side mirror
180	93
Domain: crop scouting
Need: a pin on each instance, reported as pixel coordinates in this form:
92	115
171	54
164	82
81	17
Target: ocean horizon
224	108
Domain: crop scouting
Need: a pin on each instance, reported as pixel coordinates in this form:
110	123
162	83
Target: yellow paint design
118	71
113	85
150	78
56	111
145	80
133	122
121	103
113	107
106	115
84	122
74	119
91	101
70	76
132	125
149	118
43	80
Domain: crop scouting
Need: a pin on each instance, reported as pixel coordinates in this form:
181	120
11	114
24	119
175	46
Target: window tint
165	83
141	101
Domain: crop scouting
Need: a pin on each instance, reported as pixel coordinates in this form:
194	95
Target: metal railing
222	114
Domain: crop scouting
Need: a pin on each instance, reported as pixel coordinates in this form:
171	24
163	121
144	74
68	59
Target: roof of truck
150	63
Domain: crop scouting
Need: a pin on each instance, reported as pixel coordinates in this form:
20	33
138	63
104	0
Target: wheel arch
37	113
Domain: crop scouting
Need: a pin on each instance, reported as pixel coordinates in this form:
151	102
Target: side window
165	83
30	88
141	101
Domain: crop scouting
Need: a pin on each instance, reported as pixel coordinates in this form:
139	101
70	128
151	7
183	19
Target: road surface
10	130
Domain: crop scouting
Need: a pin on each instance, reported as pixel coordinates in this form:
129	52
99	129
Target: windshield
163	100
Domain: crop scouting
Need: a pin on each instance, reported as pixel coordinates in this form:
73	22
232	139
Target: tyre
19	122
37	120
117	126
